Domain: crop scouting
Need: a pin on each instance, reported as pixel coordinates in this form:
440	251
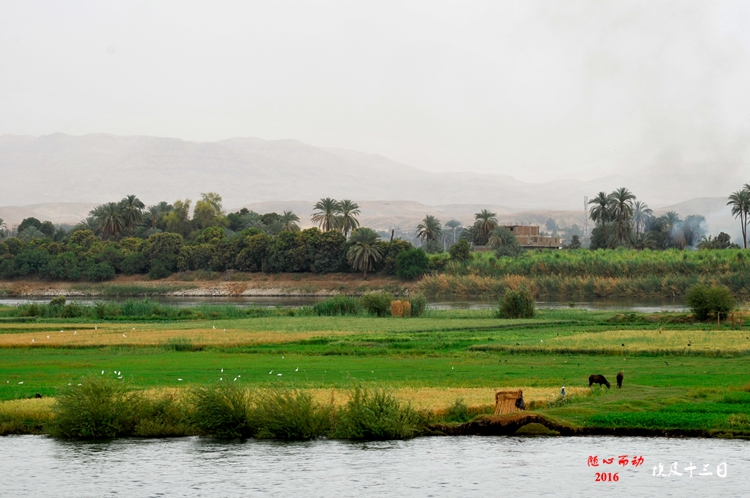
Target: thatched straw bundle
397	308
509	402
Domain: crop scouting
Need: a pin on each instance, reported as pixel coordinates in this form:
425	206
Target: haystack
509	402
407	308
397	308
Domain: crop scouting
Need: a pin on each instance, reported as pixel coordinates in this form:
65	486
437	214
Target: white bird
47	337
541	340
451	368
279	375
239	376
222	370
32	340
214	327
120	377
70	384
80	384
21	382
282	356
133	328
180	380
225	330
221	378
96	327
269	373
75	333
102	372
124	335
296	369
235	379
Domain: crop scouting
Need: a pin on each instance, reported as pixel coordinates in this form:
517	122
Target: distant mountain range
60	177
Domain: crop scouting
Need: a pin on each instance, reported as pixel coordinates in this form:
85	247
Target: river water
614	304
33	466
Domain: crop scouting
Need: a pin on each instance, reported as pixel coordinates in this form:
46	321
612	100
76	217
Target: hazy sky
537	90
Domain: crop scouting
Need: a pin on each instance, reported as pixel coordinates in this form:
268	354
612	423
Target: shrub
412	263
377	303
98	408
418	305
516	304
158	270
162	417
376	415
289	414
458	412
222	410
337	305
57	301
460	251
100	272
133	263
709	301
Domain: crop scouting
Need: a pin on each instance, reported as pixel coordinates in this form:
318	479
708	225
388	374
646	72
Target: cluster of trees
126	237
623	221
484	232
740	203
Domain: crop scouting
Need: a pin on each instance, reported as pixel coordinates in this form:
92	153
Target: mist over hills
60	177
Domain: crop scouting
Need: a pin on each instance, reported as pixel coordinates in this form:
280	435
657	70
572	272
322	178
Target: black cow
620	376
598	379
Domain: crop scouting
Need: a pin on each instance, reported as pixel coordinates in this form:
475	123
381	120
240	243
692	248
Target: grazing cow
598	379
620	376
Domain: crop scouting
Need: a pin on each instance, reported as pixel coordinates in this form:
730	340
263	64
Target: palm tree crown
486	221
348	212
326	217
430	229
740	202
364	251
289	220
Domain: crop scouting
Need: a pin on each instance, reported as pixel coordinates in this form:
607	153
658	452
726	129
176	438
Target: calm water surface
437	466
616	304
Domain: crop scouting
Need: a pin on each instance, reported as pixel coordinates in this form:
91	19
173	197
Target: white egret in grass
70	384
179	380
102	372
32	340
269	373
124	335
96	327
279	375
296	369
221	378
21	382
120	377
133	328
239	376
61	331
225	330
214	327
47	337
235	379
222	370
282	356
80	384
75	333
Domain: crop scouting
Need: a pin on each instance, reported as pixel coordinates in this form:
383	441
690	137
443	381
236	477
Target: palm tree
30	233
621	207
109	219
641	213
348	212
740	202
132	211
453	224
289	220
89	223
364	251
672	219
326	217
599	212
2	228
486	221
430	229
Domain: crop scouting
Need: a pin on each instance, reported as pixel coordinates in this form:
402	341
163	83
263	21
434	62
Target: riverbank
681	377
212	284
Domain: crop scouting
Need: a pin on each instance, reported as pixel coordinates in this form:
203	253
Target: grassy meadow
678	373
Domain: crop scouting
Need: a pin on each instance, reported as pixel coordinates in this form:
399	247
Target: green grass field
668	383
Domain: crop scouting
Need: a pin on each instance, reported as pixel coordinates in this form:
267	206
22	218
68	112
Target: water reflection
443	303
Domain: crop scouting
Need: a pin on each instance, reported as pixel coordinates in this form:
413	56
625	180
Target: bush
289	414
158	270
222	410
516	304
709	301
412	263
98	408
418	305
133	263
376	415
336	306
100	272
57	301
377	303
458	412
460	251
